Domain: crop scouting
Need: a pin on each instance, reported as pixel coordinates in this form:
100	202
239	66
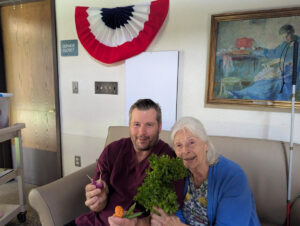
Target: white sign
154	75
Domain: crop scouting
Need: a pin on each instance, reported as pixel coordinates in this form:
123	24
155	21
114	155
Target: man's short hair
146	104
286	29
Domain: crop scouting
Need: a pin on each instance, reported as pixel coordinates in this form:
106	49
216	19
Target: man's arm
96	198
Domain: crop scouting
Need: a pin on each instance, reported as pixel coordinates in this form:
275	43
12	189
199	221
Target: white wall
86	116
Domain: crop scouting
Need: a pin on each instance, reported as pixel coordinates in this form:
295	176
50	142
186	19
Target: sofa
265	163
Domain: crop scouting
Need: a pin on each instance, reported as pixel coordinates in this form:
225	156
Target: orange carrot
119	212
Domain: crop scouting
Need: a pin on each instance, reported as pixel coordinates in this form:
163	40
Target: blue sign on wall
69	47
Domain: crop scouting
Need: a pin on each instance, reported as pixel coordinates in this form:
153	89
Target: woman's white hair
197	129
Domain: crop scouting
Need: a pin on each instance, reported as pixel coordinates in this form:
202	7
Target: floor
9	195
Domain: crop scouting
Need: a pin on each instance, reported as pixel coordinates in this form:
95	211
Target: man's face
144	129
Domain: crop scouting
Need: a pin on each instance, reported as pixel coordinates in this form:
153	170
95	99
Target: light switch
75	87
106	88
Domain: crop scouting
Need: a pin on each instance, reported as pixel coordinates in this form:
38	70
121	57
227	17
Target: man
123	166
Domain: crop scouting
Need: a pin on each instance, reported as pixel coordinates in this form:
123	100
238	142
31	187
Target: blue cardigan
230	199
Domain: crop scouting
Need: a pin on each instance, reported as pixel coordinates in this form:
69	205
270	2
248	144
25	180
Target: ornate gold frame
231	17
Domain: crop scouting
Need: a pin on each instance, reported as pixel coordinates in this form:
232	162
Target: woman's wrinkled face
190	148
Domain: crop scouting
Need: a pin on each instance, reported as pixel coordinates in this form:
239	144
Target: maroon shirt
123	175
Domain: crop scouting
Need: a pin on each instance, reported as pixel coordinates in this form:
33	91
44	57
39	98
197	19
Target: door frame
56	87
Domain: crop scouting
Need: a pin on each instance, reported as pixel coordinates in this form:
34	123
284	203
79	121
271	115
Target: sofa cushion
264	163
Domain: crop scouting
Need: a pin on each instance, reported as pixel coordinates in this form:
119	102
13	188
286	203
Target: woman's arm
236	205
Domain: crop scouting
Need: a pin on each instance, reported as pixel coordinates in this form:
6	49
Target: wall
86	116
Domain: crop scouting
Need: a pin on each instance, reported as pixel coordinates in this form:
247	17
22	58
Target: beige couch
264	161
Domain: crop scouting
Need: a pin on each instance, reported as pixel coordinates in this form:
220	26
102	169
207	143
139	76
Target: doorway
29	43
5	147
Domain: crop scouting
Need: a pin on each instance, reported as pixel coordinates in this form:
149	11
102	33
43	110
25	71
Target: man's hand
96	198
118	221
164	219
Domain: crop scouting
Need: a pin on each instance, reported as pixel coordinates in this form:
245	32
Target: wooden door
5	147
30	75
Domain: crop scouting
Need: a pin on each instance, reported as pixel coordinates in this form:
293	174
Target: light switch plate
106	88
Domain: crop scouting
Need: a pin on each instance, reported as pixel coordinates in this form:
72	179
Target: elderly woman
216	191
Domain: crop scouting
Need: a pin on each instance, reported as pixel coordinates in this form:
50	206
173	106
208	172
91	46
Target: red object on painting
244	42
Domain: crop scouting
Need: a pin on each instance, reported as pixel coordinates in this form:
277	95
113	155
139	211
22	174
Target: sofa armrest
61	201
295	210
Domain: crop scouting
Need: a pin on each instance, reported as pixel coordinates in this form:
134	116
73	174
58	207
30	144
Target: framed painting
252	58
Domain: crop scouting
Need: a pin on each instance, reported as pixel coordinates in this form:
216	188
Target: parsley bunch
157	188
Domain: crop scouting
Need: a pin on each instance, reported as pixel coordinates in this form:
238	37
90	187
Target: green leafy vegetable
157	188
134	215
131	215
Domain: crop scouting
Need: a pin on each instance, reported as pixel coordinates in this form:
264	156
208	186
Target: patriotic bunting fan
115	34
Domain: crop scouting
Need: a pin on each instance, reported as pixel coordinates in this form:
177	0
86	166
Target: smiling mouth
189	159
143	139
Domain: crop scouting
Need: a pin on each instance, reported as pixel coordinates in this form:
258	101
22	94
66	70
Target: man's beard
151	143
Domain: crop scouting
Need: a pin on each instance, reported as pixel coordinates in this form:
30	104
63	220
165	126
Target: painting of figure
254	59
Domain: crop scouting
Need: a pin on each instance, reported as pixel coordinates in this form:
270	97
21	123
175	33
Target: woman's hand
164	219
96	198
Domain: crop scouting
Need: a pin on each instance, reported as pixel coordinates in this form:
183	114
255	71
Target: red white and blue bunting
114	34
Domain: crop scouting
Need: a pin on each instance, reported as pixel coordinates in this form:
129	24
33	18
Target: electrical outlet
75	88
106	88
77	161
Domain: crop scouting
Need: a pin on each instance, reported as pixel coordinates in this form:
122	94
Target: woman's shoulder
227	167
228	173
